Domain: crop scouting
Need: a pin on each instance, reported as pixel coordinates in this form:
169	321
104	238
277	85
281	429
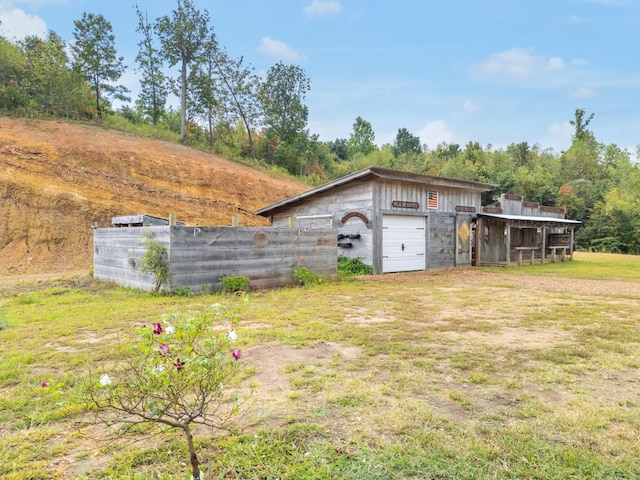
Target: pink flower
45	384
157	328
164	349
235	353
179	364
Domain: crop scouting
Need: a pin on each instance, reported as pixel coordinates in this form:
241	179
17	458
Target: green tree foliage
362	138
54	88
580	124
95	57
339	148
405	142
282	96
155	261
614	225
183	35
208	96
12	73
153	88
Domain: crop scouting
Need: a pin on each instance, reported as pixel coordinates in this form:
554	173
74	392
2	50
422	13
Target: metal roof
529	218
386	174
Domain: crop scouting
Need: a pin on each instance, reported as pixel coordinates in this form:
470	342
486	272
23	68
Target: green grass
594	266
435	378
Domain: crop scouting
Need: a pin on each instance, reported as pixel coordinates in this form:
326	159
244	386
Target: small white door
403	243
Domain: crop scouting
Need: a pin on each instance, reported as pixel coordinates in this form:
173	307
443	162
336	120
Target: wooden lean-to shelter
522	232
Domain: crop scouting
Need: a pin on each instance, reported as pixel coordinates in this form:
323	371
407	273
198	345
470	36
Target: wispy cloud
280	50
517	64
436	132
318	8
583	92
471	105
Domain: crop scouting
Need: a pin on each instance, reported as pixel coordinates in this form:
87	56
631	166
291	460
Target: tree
580	124
520	154
282	97
206	89
339	148
53	88
153	94
175	376
362	138
183	36
12	73
405	142
95	56
242	87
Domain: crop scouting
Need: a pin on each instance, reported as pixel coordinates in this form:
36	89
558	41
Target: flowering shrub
174	376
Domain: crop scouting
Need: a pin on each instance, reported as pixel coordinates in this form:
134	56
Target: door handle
403	247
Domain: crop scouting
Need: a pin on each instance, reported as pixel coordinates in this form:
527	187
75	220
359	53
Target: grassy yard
528	372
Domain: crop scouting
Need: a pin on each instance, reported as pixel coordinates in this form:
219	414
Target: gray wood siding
441	241
448	198
350	198
117	253
200	256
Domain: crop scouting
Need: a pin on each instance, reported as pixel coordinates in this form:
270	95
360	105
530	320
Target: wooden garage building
395	221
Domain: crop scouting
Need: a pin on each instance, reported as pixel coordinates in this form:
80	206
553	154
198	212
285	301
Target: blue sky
490	71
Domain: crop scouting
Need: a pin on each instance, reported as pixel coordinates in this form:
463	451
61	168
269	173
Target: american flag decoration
432	200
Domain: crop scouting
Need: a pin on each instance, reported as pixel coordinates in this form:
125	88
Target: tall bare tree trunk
183	102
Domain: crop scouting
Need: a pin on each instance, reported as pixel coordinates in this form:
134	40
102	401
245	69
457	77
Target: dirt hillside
57	179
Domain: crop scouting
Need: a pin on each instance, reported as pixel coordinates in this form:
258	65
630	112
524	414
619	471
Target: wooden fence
199	257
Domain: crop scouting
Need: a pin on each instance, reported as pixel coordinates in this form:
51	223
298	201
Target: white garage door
403	243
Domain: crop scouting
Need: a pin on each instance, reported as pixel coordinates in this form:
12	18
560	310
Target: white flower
157	369
170	330
105	380
232	335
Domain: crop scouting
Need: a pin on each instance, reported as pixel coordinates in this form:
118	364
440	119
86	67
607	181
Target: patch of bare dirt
57	179
477	276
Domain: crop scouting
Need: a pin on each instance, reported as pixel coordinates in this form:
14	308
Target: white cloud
318	8
436	132
558	136
280	50
518	64
16	24
583	92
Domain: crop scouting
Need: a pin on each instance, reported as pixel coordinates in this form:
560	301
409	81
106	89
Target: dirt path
36	277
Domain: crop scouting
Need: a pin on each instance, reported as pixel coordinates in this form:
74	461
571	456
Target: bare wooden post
508	244
234	221
172	219
544	244
290	222
478	239
571	245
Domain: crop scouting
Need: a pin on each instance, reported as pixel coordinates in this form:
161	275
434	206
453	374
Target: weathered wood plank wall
117	253
200	256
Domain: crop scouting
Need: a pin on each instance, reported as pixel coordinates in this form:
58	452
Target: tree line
229	109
